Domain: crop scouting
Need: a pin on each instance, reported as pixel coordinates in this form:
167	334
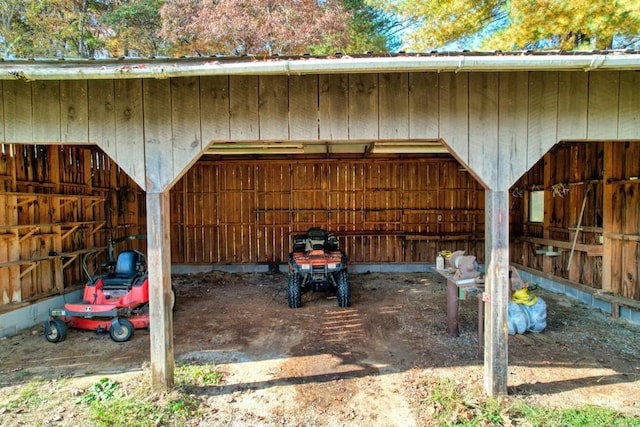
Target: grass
448	404
111	404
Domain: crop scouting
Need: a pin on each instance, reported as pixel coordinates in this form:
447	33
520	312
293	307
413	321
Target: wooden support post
160	296
496	292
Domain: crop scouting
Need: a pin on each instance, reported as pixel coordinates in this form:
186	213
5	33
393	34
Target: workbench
461	289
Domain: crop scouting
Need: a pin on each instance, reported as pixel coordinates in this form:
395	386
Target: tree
238	27
519	24
369	30
134	28
51	28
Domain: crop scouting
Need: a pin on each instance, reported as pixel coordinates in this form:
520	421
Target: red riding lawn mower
116	301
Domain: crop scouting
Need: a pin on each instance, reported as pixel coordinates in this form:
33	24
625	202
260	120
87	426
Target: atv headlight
305	267
332	266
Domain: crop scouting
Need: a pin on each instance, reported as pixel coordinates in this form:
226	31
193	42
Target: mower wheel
294	295
55	330
344	290
122	333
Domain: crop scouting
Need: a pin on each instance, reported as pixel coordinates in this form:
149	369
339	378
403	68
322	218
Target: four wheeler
116	301
317	264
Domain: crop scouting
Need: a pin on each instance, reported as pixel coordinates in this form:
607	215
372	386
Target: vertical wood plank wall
605	177
385	211
56	204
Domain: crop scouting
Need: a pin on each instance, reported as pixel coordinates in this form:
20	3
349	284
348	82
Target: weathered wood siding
605	178
384	211
57	204
476	114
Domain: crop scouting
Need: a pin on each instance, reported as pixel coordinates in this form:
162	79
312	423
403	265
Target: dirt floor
326	366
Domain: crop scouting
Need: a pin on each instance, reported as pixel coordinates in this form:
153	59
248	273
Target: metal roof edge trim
67	70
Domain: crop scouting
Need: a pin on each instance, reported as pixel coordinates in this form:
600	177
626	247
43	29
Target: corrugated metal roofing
83	69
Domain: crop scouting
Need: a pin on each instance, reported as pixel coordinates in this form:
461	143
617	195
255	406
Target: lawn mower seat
125	271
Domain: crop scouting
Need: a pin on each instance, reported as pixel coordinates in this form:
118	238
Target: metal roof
123	68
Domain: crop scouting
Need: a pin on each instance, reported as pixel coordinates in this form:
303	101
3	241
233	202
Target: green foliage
518	24
198	375
101	391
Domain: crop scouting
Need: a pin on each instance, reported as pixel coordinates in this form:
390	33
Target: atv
116	301
317	264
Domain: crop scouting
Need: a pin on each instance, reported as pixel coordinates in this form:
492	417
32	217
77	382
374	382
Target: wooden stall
57	204
384	210
590	231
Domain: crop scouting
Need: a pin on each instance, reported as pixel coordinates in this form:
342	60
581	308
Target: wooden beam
496	292
160	296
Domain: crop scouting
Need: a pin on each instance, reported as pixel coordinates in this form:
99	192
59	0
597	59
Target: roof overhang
158	68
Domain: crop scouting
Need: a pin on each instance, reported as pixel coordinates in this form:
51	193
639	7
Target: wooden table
459	290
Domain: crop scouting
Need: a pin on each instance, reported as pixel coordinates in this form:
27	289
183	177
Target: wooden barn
529	160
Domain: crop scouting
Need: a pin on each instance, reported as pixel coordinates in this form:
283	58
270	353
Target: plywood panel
185	122
18	116
158	134
74	111
46	111
243	106
303	107
572	105
512	119
604	89
334	106
273	107
629	118
363	106
394	106
483	130
543	114
454	113
129	128
214	101
423	106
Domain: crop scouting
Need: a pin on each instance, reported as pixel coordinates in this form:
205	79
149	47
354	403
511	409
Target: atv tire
344	289
55	331
124	334
294	293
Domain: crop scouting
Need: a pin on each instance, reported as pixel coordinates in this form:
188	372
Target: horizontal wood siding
385	211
